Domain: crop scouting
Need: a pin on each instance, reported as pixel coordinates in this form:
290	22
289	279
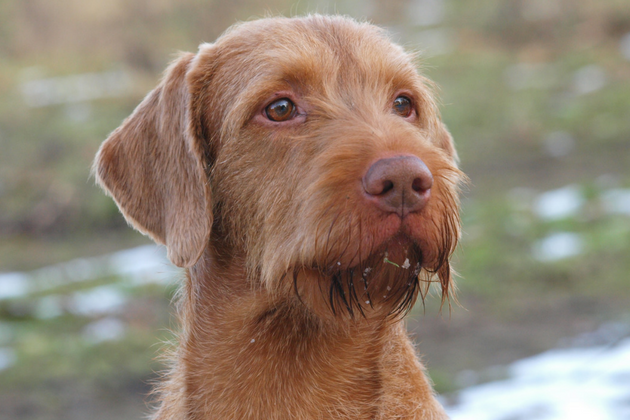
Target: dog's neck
248	352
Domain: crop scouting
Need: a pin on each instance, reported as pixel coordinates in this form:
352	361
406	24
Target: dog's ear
152	165
445	141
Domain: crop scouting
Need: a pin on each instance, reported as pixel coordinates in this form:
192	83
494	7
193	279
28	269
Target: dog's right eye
402	106
280	110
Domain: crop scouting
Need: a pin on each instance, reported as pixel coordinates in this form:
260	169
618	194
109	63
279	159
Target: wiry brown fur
289	310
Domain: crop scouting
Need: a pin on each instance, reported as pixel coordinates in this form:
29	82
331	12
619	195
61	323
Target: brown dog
299	170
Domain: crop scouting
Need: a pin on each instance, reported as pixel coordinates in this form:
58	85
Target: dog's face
311	148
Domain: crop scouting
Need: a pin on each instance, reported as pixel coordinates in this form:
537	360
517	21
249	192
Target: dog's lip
398	249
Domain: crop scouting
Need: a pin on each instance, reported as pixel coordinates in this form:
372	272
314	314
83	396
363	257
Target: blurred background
537	96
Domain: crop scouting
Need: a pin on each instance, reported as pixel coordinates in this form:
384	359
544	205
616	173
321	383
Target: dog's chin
385	283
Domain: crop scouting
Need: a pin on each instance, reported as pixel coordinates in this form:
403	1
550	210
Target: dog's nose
399	184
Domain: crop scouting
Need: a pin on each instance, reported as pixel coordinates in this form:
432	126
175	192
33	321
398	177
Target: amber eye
280	110
402	106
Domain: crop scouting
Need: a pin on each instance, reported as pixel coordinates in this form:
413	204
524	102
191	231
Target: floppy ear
152	166
445	141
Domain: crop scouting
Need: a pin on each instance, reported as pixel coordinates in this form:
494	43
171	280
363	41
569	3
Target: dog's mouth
388	281
367	265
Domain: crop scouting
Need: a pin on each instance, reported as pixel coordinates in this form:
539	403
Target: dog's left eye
402	106
280	110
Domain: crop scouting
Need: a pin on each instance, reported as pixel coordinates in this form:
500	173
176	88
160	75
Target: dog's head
310	147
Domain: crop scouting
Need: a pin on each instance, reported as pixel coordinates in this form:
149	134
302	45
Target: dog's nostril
422	183
387	186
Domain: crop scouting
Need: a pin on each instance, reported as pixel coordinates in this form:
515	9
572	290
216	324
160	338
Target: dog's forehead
334	64
324	47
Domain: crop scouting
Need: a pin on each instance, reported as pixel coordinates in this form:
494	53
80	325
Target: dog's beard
380	282
387	282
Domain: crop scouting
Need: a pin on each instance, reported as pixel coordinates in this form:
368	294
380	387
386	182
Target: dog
299	171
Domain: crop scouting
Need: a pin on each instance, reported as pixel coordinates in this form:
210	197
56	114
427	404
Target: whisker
295	286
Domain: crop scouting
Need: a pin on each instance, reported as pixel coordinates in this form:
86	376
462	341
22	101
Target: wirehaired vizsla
299	170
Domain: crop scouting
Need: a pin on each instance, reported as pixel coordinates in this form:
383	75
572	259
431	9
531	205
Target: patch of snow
139	266
13	285
617	201
75	88
144	264
589	79
97	301
563	384
558	246
106	329
7	358
560	203
607	333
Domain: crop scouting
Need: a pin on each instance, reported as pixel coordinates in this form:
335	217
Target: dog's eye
280	110
402	106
